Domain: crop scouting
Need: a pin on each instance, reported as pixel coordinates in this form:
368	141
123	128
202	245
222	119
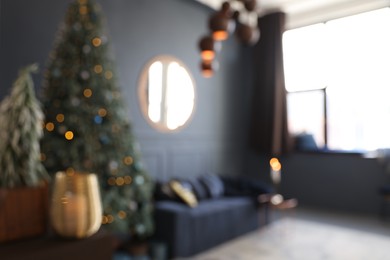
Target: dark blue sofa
189	230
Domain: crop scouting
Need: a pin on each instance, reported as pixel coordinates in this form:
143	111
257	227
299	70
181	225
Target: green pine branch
21	120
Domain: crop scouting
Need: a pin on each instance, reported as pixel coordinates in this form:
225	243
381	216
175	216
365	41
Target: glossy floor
310	235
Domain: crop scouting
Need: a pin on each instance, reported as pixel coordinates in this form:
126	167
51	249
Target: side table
276	202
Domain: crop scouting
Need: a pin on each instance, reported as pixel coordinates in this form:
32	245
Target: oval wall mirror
166	93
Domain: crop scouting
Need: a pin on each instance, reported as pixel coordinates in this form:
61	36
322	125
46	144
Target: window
166	93
338	83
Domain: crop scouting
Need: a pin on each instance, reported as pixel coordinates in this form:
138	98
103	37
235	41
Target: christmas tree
21	121
86	127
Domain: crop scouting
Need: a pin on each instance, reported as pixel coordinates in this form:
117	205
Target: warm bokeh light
108	74
110	219
275	164
128	160
87	92
120	181
128	180
49	126
207	73
220	35
122	214
96	41
69	135
273	161
207	55
60	118
104	220
102	112
98	69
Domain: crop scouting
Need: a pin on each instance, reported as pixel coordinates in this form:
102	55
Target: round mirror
166	93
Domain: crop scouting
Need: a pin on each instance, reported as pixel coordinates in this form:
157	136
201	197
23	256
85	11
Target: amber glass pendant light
237	16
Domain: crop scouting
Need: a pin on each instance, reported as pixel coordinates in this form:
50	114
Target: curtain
269	112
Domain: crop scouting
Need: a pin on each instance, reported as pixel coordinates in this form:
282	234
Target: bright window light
304	120
350	57
170	94
180	96
155	91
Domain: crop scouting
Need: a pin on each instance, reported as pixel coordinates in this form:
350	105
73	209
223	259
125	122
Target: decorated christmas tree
21	121
87	128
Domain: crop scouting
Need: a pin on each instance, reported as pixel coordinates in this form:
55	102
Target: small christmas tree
86	126
21	120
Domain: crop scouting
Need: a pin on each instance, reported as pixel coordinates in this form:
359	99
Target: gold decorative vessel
76	208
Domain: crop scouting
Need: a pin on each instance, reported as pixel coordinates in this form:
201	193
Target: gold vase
76	209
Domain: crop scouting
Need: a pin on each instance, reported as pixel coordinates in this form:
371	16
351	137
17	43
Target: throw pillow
163	191
198	188
185	183
305	142
213	184
183	193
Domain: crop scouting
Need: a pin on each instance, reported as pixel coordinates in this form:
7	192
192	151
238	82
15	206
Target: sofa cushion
213	184
184	193
198	188
305	142
240	186
163	191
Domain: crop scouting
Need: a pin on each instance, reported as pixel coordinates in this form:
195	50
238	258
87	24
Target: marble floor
310	235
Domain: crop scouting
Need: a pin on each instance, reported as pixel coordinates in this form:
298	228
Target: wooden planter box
23	212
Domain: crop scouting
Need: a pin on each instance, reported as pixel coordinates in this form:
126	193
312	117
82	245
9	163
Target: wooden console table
96	247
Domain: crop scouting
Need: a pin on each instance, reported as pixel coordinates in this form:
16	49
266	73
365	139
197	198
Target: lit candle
275	171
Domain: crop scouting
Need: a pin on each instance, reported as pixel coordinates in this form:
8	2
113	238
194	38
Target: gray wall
342	182
215	138
338	181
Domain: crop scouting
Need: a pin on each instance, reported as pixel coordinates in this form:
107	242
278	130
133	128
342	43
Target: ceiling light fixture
220	23
237	16
207	69
206	46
